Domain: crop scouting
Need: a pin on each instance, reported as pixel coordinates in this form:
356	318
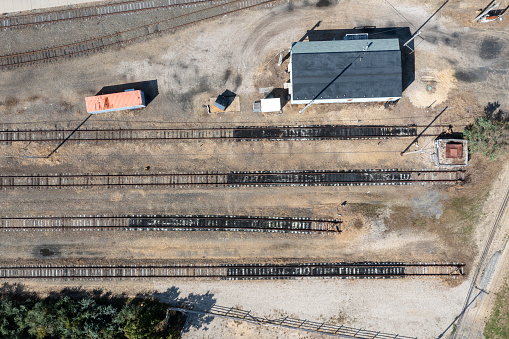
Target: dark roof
346	69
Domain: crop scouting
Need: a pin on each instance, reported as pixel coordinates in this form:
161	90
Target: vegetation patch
489	134
497	326
26	315
466	211
403	217
369	211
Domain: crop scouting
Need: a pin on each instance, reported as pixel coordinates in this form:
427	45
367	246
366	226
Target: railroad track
325	132
209	10
236	271
234	179
172	223
96	11
461	328
322	327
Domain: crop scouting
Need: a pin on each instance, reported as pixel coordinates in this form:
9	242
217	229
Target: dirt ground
466	64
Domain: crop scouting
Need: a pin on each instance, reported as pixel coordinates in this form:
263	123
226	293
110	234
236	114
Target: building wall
344	101
117	109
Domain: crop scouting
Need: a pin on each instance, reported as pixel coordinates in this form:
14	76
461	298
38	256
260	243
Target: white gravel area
410	307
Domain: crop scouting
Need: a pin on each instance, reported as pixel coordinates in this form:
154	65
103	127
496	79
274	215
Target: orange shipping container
115	102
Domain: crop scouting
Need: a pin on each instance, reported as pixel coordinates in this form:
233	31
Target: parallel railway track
234	179
325	132
462	328
211	9
96	11
172	223
235	271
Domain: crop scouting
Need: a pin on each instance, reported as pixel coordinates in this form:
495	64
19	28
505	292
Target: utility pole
410	40
280	57
424	130
418	31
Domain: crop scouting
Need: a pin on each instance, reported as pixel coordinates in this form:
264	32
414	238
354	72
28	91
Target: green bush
86	317
488	136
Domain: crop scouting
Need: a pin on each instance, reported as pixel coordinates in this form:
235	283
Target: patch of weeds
367	210
497	326
357	223
340	319
400	217
405	217
488	135
464	211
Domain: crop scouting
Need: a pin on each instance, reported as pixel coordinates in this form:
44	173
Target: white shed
271	105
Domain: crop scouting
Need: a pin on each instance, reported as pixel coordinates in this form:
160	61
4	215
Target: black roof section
346	69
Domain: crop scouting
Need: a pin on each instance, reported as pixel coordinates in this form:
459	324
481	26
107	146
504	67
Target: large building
343	71
129	99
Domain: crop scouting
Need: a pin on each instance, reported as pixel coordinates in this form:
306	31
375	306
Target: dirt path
472	323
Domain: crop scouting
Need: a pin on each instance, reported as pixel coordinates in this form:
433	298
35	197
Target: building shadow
403	34
452	135
281	93
149	88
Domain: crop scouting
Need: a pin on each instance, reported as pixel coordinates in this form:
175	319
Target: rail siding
9	136
234	271
213	9
84	13
173	223
234	179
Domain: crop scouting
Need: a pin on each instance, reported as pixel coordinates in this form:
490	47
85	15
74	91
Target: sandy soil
463	63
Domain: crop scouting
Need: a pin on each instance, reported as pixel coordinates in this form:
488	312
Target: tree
487	136
149	322
40	321
85	317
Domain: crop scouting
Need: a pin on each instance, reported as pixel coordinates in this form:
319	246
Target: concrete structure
345	71
10	6
450	152
130	99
